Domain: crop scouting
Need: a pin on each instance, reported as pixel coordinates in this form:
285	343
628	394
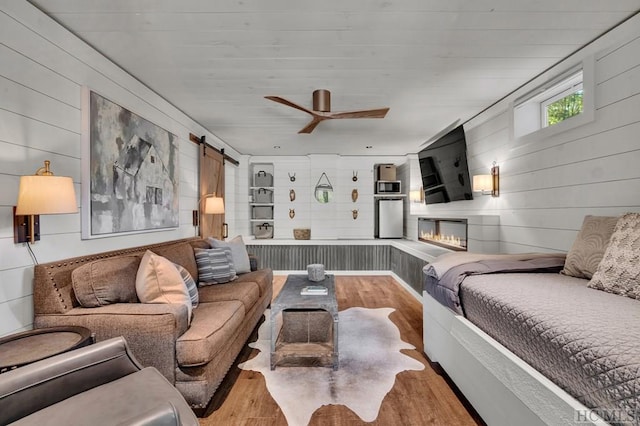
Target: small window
565	101
550	104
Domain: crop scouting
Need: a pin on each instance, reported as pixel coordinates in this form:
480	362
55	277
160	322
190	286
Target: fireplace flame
451	240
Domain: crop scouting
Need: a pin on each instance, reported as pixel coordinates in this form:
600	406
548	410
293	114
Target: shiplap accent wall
333	220
548	185
42	70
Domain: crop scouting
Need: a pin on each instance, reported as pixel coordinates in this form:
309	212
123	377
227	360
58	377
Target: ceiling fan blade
312	124
370	113
283	101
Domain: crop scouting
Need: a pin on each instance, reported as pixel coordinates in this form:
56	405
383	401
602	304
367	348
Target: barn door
211	182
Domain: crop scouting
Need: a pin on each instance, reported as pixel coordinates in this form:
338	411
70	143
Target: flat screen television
444	169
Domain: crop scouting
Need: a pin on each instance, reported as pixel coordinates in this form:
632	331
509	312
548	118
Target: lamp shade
46	195
214	205
482	183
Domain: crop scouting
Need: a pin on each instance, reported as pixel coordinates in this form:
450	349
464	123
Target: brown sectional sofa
194	358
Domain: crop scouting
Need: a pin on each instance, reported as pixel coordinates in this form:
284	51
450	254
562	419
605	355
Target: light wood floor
418	397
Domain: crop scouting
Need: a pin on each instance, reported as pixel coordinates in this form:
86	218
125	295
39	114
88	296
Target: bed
528	345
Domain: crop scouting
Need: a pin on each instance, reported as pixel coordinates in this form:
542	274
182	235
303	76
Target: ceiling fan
322	110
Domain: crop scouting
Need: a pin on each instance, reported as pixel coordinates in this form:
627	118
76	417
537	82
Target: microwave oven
388	187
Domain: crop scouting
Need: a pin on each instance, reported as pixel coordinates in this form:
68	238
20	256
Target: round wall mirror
323	191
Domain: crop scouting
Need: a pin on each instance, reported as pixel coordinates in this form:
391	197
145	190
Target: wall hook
354	195
292	194
354	213
292	213
355	176
292	178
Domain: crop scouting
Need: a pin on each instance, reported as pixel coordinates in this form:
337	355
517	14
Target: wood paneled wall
43	68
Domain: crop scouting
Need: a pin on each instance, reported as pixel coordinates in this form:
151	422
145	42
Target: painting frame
130	171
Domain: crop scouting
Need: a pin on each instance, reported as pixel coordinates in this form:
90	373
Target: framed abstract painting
130	171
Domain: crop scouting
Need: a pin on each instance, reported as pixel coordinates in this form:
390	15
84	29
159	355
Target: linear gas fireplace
447	233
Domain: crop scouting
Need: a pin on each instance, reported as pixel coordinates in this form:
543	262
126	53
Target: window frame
527	116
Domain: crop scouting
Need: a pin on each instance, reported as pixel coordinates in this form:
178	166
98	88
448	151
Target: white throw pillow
239	253
158	281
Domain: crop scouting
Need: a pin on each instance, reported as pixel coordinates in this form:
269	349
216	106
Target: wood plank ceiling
430	61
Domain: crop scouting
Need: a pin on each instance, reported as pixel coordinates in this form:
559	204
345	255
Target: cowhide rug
369	352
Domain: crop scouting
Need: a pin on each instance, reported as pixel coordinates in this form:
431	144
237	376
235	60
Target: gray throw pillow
589	246
238	252
215	266
619	271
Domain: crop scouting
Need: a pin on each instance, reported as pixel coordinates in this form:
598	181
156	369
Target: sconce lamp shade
46	195
482	183
214	205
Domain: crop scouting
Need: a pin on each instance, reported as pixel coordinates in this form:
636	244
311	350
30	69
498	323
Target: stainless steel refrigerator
389	218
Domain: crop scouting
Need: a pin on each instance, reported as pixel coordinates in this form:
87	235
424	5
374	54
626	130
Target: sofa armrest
165	414
33	387
150	329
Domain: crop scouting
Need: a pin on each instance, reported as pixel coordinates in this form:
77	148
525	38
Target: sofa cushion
262	277
215	266
158	281
619	271
238	252
589	246
213	328
246	292
192	287
106	281
180	253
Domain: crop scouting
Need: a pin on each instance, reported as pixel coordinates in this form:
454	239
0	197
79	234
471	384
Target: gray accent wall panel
408	267
337	258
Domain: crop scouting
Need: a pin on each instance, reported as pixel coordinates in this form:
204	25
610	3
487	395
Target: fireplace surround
449	233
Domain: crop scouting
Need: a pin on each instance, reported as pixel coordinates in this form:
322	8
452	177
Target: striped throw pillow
215	266
190	283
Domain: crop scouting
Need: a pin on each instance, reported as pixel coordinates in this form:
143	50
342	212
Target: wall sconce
41	193
416	195
488	184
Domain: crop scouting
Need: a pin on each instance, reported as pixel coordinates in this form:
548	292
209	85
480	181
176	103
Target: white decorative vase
315	272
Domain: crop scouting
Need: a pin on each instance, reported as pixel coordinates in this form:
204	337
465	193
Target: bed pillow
238	252
158	281
192	287
106	281
619	271
589	247
215	266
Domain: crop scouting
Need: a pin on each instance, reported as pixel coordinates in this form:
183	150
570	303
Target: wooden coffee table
304	329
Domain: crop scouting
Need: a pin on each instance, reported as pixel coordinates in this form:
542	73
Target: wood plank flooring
418	397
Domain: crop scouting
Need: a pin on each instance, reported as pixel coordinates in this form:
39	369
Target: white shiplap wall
549	184
326	221
42	70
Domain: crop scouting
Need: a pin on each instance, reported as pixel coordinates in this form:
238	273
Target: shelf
389	195
262	204
261	187
261	220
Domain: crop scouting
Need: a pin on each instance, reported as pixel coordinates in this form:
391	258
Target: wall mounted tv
444	169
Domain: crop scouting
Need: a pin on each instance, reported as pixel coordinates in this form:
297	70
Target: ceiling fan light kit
322	110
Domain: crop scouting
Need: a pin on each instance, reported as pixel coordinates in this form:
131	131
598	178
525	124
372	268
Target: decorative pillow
192	287
106	281
238	252
158	281
215	266
619	271
588	248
